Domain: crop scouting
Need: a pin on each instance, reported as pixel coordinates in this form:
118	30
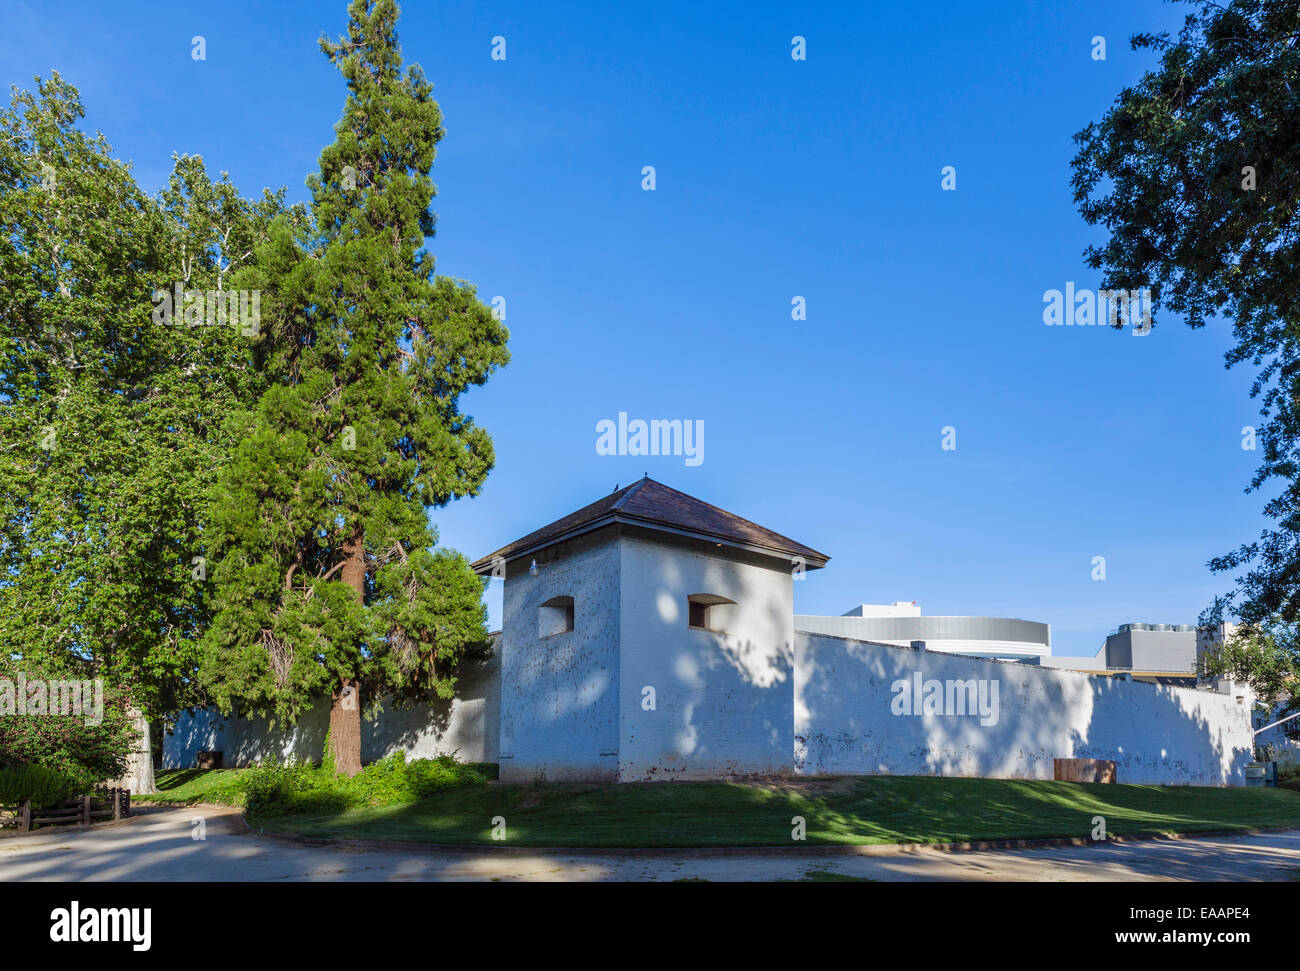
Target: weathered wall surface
465	727
723	701
845	719
559	714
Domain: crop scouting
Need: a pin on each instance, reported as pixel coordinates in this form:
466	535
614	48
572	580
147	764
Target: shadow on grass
862	810
167	781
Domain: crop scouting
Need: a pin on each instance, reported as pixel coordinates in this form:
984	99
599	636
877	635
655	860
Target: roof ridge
726	512
631	491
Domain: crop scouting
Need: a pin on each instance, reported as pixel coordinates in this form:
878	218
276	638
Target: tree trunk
345	728
345	704
354	562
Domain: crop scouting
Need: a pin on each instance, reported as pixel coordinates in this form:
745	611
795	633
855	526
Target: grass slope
873	809
196	785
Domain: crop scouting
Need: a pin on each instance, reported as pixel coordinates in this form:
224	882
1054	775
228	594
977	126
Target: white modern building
902	625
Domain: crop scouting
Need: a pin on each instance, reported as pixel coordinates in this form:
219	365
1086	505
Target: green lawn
875	809
196	785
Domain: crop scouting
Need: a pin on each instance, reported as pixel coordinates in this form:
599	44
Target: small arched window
555	616
708	611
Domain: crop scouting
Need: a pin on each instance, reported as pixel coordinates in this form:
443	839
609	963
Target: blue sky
774	179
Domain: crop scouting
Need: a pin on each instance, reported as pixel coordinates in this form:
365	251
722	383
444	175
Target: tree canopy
223	421
111	427
1194	173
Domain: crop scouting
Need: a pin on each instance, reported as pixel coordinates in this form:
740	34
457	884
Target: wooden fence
100	805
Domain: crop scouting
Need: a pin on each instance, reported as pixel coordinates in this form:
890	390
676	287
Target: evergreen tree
326	580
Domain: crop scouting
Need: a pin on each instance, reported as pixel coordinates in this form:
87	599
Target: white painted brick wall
559	718
1156	734
723	701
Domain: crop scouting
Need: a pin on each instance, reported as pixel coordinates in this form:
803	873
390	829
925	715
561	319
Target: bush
86	754
274	789
393	780
44	787
1288	775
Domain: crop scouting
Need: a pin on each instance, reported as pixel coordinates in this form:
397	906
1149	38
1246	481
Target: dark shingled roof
653	505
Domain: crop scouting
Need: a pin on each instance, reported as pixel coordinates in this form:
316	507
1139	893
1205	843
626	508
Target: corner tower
647	636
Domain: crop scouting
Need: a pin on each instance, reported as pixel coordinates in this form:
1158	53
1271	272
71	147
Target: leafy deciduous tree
112	426
1195	174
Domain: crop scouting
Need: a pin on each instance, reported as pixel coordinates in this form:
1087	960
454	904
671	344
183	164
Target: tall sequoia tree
111	425
1195	174
326	582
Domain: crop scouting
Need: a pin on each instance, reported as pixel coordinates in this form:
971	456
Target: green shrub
430	776
88	754
1288	775
303	789
44	787
274	788
393	780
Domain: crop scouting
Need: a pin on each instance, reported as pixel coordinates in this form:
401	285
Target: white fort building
652	636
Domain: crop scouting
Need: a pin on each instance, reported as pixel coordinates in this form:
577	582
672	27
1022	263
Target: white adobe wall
559	713
844	722
465	727
723	702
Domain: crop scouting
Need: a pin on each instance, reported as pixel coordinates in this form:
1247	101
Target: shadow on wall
724	692
762	663
464	726
856	714
245	741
